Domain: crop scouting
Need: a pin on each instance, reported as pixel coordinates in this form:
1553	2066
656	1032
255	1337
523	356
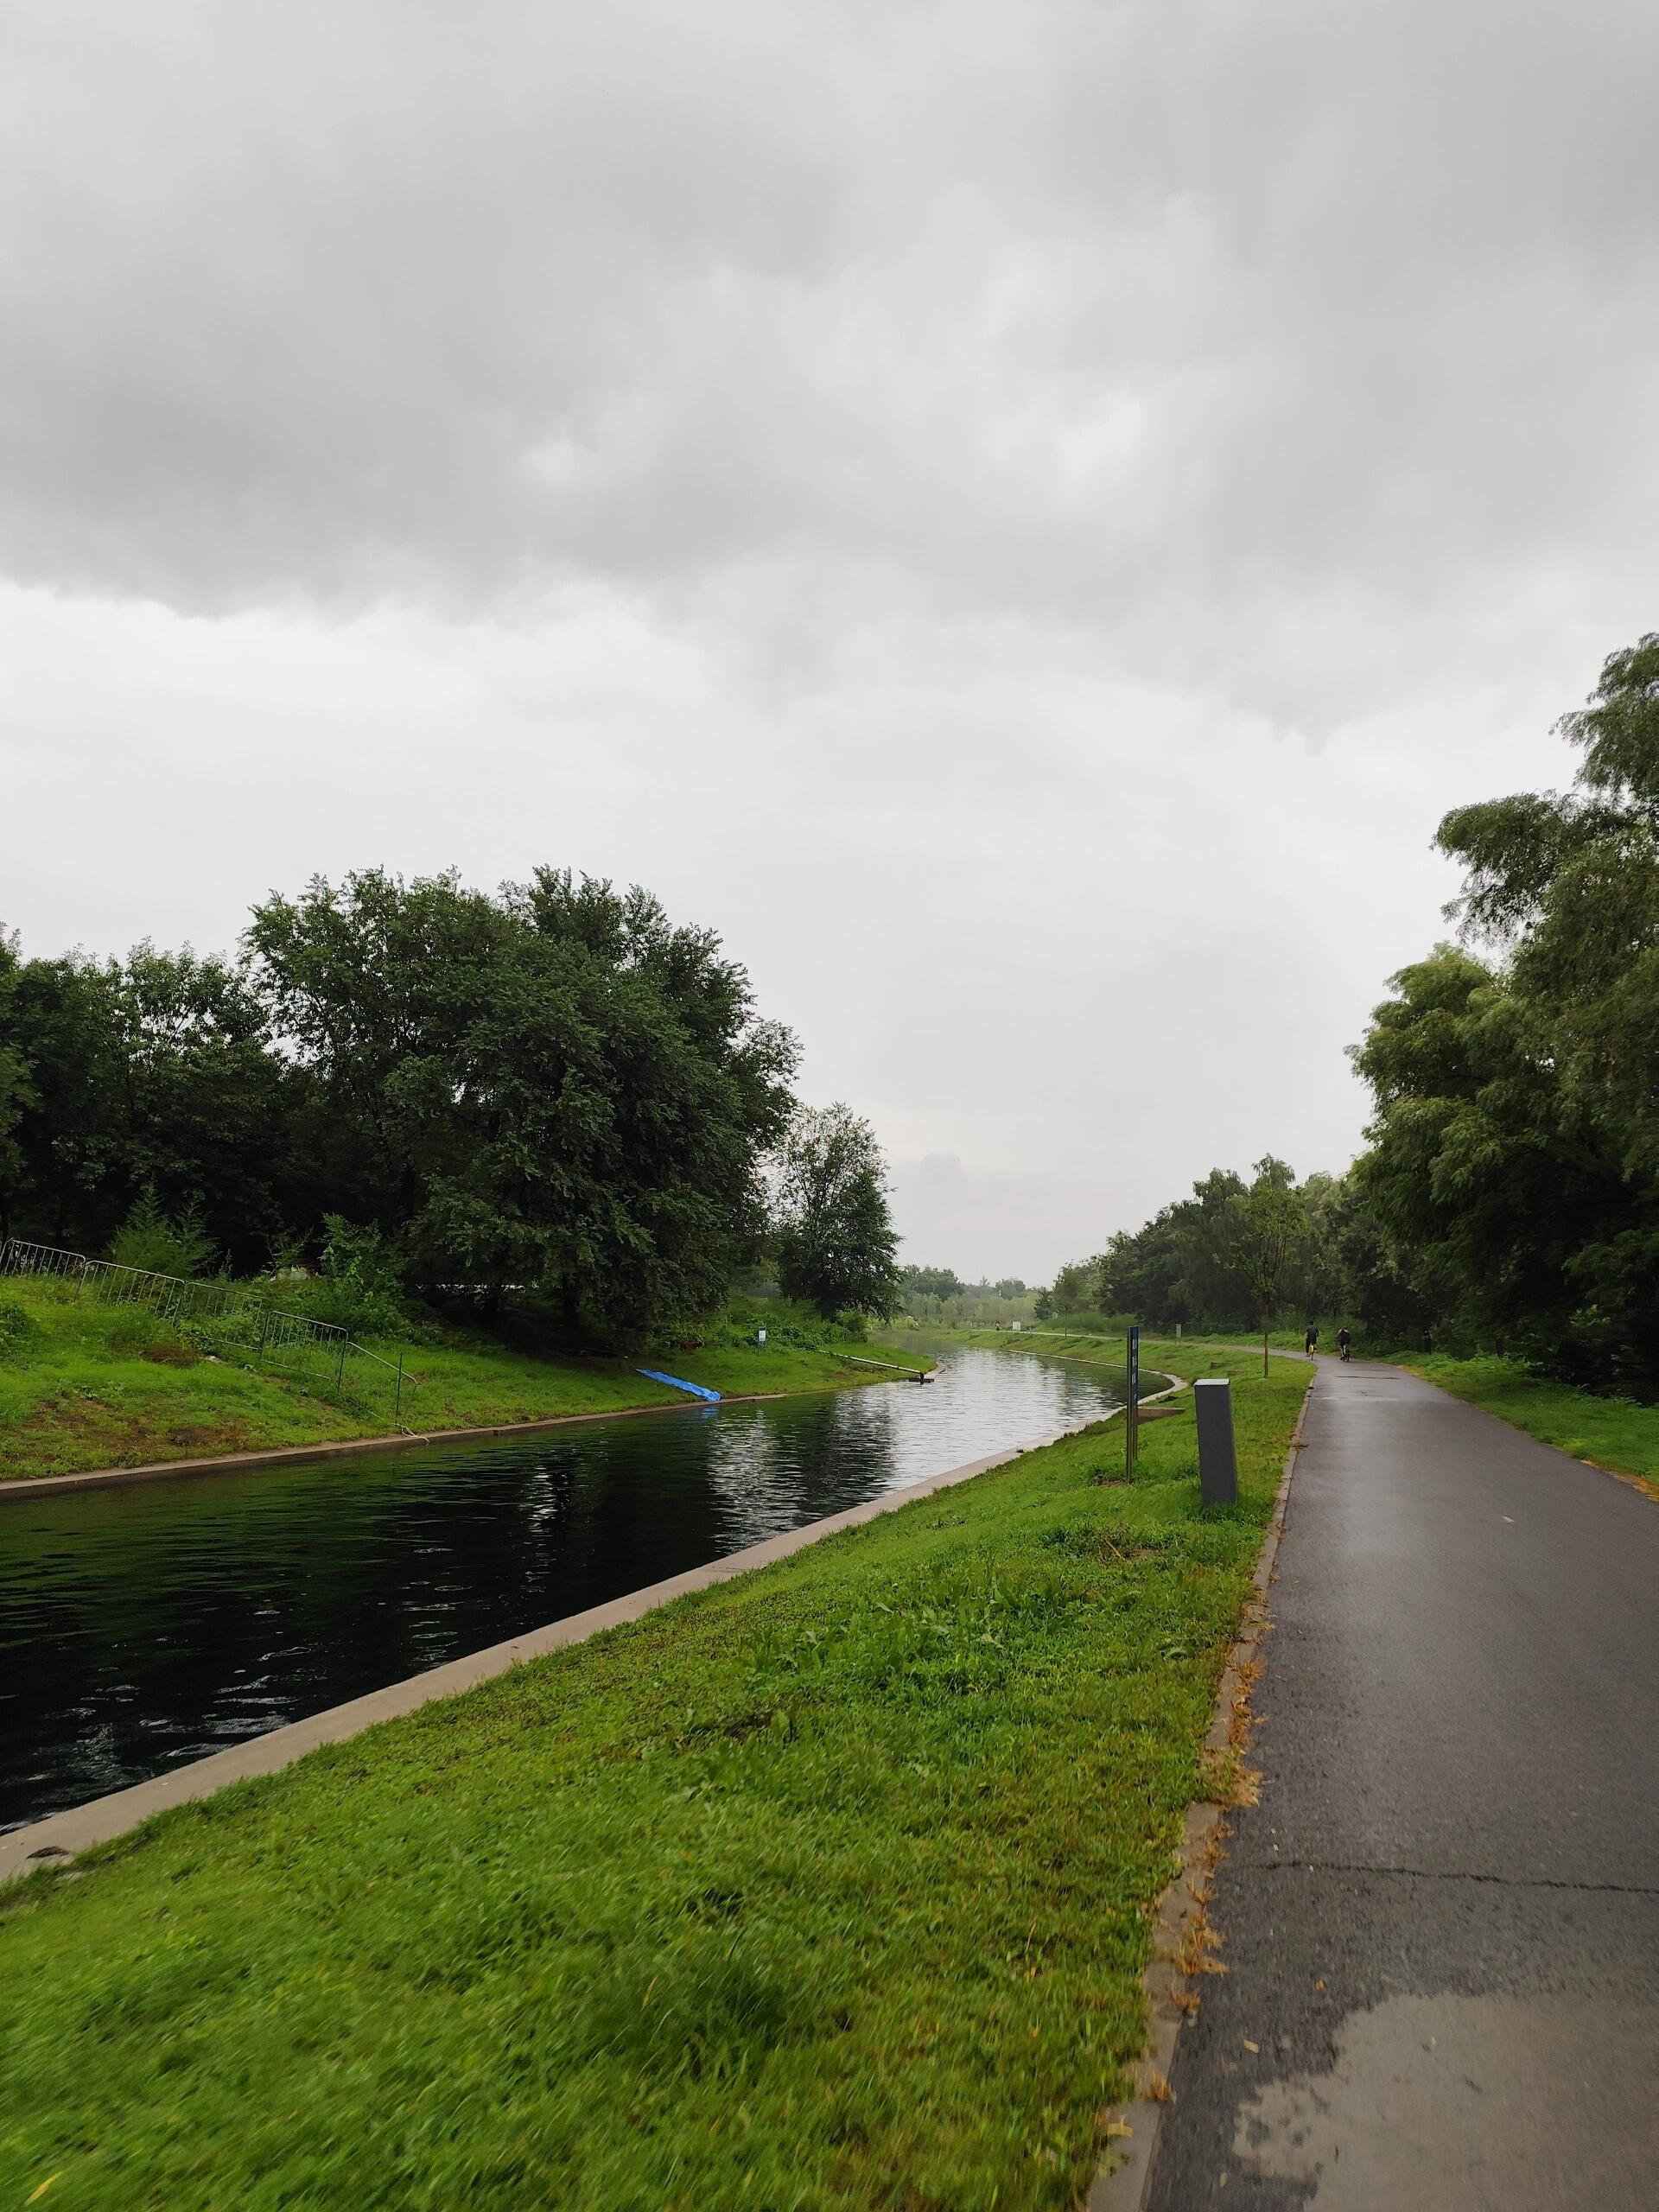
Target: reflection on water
142	1628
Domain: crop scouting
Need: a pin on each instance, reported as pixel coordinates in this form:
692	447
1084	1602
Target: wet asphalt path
1442	1921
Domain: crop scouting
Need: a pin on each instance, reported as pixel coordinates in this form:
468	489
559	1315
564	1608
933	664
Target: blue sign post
1132	1410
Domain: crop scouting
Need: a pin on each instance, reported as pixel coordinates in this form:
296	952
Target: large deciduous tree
1516	1145
61	1026
207	1102
154	1073
1266	1238
553	1088
1178	1267
16	1091
836	1246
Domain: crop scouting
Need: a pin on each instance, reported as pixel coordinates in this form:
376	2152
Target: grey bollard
1212	1401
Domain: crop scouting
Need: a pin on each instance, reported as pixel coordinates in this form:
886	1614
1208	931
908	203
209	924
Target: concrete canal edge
294	1455
1181	1937
61	1835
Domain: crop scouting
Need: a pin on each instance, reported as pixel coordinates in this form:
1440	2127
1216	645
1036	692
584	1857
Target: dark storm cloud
1085	314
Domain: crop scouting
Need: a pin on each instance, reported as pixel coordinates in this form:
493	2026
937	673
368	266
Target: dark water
142	1628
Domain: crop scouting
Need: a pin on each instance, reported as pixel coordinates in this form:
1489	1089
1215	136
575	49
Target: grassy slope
1100	1351
84	1396
827	1888
1160	1355
1609	1432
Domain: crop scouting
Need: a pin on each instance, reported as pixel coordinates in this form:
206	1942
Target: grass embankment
829	1887
1080	1328
1160	1355
109	1386
1614	1434
1106	1351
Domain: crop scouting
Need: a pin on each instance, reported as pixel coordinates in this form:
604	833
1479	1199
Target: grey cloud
797	318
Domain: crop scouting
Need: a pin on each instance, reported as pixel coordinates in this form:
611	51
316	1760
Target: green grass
1088	1321
1077	1331
1160	1355
828	1888
1609	1432
100	1386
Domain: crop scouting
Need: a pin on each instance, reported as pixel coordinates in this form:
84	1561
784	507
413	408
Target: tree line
926	1290
550	1089
1508	1197
1242	1253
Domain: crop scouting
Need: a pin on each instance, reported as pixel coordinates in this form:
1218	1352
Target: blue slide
674	1383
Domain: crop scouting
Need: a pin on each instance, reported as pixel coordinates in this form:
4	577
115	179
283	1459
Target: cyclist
1344	1342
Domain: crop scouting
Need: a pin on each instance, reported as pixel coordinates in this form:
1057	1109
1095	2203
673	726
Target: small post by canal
1132	1408
1212	1407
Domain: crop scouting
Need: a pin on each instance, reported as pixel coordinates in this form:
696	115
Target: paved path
1442	1921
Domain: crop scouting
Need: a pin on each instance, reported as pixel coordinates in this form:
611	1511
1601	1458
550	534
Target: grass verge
829	1887
1613	1434
1160	1355
108	1386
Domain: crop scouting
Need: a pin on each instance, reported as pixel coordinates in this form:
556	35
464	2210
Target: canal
146	1626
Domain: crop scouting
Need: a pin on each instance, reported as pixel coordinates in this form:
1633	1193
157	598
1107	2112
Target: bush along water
788	1322
357	1287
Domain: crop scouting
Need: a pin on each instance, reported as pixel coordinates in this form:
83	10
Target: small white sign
760	1336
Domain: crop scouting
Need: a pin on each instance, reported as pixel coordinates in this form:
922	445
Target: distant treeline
1195	1262
1509	1196
920	1288
552	1087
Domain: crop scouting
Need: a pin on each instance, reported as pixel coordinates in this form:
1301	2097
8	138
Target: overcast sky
1021	516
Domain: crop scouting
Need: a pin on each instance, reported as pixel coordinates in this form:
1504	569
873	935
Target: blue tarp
674	1383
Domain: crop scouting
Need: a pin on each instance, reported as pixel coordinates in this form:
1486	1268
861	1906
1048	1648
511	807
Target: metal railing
235	1315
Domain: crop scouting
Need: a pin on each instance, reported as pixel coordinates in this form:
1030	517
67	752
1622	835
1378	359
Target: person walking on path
1439	1922
1310	1339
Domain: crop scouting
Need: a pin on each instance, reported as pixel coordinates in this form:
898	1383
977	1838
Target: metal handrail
176	1297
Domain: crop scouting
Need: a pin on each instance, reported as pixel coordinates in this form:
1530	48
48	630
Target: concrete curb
1180	1936
61	1835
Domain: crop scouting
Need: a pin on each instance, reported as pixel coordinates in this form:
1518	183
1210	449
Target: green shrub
136	1333
131	1335
359	1288
1091	1322
170	1347
785	1320
147	1240
18	1328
